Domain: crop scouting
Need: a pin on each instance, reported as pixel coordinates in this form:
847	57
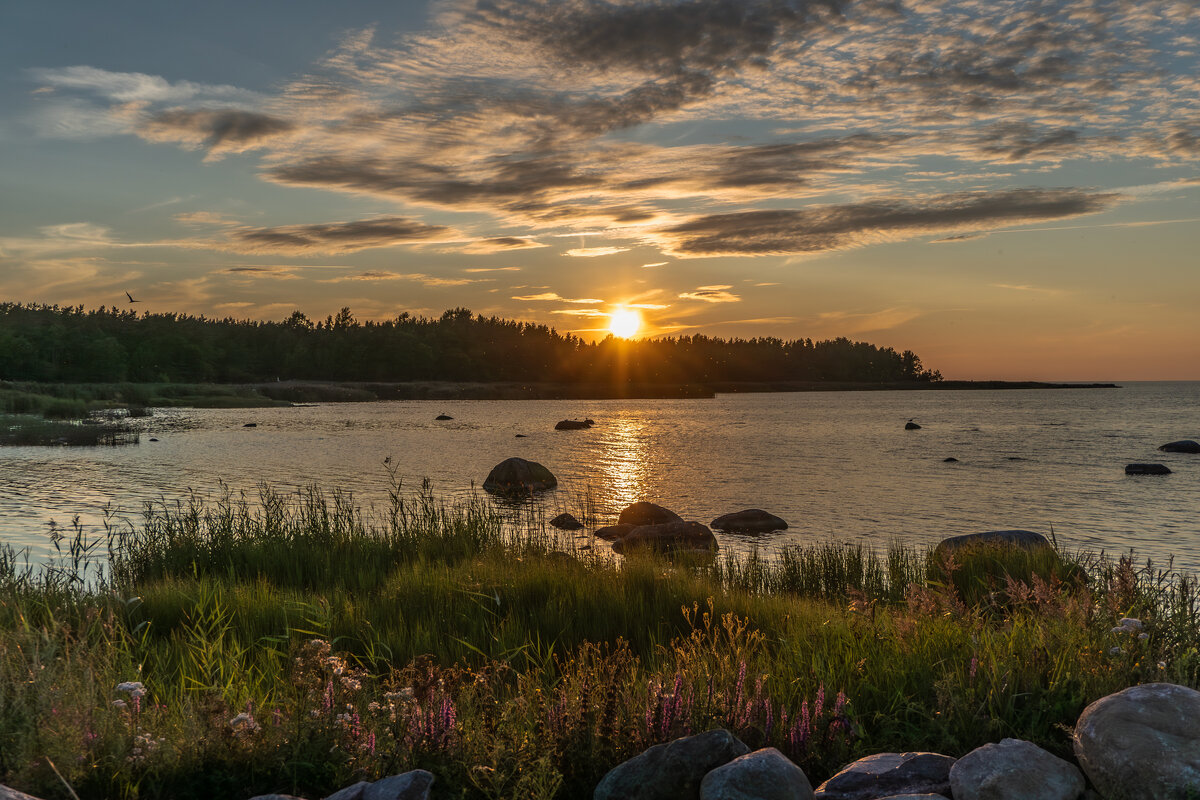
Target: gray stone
752	520
671	771
1013	538
1014	770
1147	469
915	797
412	785
12	794
612	533
518	476
1181	446
643	513
566	522
887	774
762	775
667	538
1142	742
351	792
256	797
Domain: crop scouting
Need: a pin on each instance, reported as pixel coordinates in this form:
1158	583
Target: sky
1010	189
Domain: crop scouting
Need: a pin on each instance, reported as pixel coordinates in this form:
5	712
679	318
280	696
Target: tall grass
297	642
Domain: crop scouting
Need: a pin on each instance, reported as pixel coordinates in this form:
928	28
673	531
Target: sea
837	466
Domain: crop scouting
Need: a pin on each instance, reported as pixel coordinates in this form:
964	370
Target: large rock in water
612	533
887	774
765	774
1142	742
667	538
518	476
1146	469
1014	768
671	771
1182	446
566	522
1013	538
643	513
752	520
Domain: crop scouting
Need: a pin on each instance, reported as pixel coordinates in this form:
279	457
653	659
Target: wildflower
973	668
120	705
1130	625
134	689
351	684
1143	637
1162	665
244	723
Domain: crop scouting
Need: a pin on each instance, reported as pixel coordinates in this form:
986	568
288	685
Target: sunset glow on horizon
1009	189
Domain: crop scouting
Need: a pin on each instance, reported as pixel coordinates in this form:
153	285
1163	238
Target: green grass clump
32	431
298	643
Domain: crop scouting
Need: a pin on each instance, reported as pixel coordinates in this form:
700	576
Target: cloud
134	87
859	322
711	294
501	244
204	218
554	296
834	227
593	252
1026	288
492	269
335	237
217	131
655	264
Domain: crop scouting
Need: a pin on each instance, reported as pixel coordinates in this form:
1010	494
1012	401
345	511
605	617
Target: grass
299	643
21	430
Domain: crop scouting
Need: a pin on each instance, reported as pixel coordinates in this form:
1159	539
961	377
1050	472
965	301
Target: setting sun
624	323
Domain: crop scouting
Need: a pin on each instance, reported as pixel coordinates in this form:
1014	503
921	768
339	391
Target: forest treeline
71	344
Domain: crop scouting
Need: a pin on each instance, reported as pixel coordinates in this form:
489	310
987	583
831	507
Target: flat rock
566	522
611	533
12	794
1013	538
1181	446
1142	742
1014	769
443	417
671	771
574	425
1147	469
922	796
765	774
256	797
887	774
643	513
411	785
950	460
518	476
752	520
666	538
351	792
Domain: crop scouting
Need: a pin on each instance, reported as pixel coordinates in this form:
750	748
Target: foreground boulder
1014	768
1146	469
574	425
1181	446
566	522
667	538
518	476
412	785
671	771
1013	538
643	513
611	533
12	794
1142	742
765	774
888	774
752	520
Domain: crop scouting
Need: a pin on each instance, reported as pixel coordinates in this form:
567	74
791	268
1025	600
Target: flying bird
127	294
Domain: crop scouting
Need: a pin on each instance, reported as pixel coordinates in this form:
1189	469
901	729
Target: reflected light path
623	461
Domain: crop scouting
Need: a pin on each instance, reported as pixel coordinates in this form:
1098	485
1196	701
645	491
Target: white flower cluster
134	689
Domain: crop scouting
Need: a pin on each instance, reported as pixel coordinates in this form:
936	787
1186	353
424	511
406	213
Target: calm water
835	465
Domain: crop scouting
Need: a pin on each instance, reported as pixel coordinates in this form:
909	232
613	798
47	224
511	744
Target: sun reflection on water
624	461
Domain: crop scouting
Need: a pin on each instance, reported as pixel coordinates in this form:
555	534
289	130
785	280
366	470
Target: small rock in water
520	436
765	774
1181	446
153	439
950	460
573	425
1014	768
643	513
441	417
1143	741
566	522
516	476
886	774
250	425
752	520
911	426
1146	469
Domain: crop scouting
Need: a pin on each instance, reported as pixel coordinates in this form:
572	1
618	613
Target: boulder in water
573	425
611	533
440	417
518	476
950	460
752	520
666	538
1146	469
643	513
911	426
566	522
1013	538
1182	446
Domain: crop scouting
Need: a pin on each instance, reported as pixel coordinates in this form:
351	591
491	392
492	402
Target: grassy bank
298	643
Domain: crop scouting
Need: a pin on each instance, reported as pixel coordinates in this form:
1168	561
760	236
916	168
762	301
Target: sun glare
624	323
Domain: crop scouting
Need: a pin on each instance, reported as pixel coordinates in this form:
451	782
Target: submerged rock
752	520
887	774
671	771
643	513
518	476
443	417
1013	538
911	426
250	425
667	537
566	522
1142	742
1146	469
765	774
950	460
1181	446
573	425
1014	768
